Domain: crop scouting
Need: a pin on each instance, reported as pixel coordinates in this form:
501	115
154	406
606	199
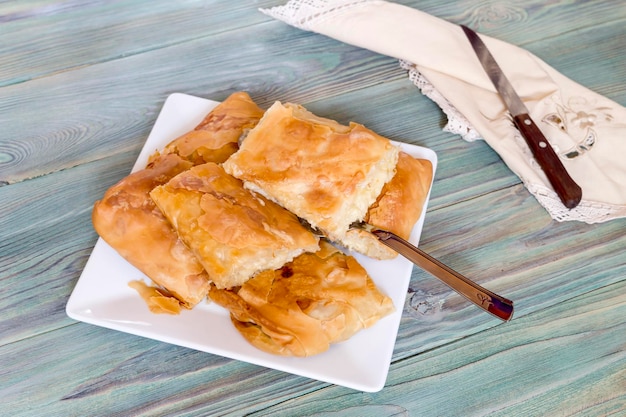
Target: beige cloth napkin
587	130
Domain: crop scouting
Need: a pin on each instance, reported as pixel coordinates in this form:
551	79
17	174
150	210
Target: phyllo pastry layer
322	171
233	232
397	209
302	308
217	136
129	221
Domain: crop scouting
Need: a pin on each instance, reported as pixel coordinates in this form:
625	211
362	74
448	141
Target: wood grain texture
74	34
81	83
506	244
546	353
102	109
42	260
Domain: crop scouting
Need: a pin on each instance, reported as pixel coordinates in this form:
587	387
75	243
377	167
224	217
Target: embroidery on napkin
578	114
578	119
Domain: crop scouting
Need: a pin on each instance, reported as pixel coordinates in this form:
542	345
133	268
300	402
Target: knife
568	191
489	301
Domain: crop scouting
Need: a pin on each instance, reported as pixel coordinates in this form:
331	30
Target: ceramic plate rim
116	306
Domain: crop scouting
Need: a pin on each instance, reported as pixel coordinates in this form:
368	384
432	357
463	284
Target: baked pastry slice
322	171
216	137
397	208
129	221
310	303
233	232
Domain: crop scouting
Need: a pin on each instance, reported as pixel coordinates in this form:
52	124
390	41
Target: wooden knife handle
568	191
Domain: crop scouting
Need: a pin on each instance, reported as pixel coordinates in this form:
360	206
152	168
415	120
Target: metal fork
489	301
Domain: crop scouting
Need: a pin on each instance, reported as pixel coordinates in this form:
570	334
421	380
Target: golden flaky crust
325	173
232	231
129	221
301	309
397	209
216	137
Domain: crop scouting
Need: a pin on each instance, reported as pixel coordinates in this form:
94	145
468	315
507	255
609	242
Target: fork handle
491	302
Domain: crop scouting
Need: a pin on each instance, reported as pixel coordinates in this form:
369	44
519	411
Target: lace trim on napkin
303	13
457	123
587	211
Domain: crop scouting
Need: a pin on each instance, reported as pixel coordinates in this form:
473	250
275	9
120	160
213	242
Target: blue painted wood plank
41	38
80	86
527	367
535	366
104	109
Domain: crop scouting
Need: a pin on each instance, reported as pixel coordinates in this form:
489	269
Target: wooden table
81	83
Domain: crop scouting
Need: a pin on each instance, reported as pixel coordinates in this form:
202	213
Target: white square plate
102	296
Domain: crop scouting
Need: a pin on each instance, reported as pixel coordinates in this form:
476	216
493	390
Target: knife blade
565	187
